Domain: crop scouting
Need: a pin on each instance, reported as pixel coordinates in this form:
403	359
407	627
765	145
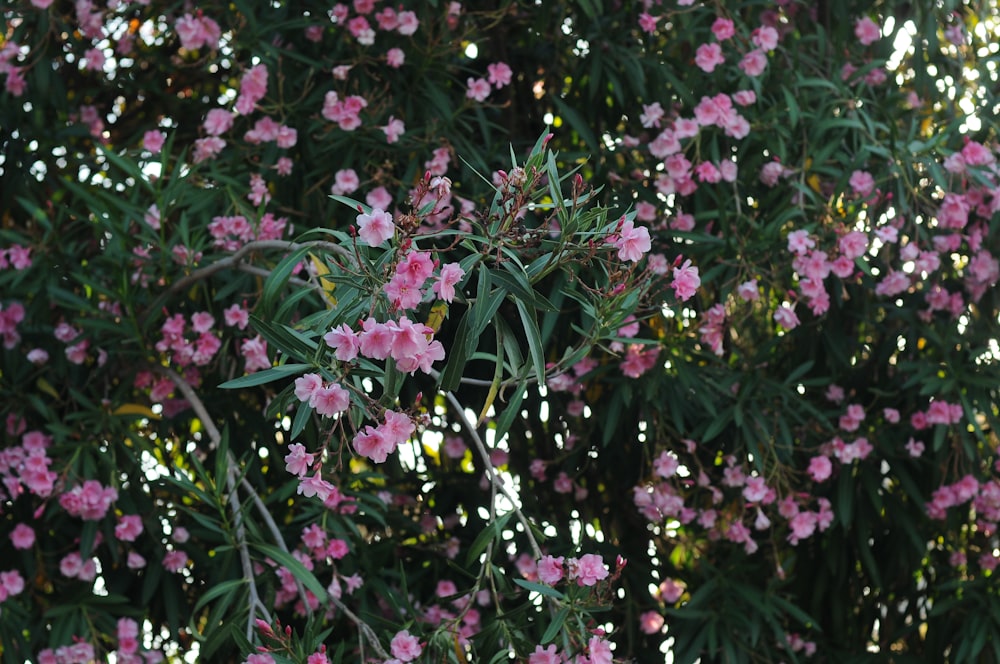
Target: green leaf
491	532
265	376
534	340
555	626
539	588
232	586
297	569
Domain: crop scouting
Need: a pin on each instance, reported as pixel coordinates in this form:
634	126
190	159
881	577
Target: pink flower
197	32
307	386
708	57
499	74
867	31
723	29
765	37
330	400
11	583
408	23
237	316
450	275
297	461
218	121
744	97
914	447
395	57
786	318
548	655
820	468
803	525
372	443
405	647
259	659
175	561
853	245
686	280
22	536
589	569
314	486
799	242
862	183
375	340
393	130
550	570
375	228
478	89
600	651
153	140
402	292
647	23
135	561
345	341
345	181
129	528
754	63
650	622
632	241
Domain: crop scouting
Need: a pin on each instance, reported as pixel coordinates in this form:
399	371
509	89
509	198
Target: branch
256	605
237	257
494	479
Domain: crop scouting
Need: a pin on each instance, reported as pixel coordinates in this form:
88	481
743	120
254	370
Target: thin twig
215	437
241	537
235	260
491	474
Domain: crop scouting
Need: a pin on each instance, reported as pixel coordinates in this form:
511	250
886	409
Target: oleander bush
594	331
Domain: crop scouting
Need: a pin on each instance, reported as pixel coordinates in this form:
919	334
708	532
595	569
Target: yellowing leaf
813	182
437	315
135	409
327	285
46	387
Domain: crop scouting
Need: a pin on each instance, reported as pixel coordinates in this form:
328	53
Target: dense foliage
538	331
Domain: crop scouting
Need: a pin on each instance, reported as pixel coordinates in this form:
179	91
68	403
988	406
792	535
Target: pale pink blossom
499	74
393	129
129	528
153	140
330	400
395	57
174	561
450	275
588	569
708	57
405	647
632	242
478	89
549	655
345	341
375	228
298	461
867	31
786	318
754	63
22	536
685	281
550	570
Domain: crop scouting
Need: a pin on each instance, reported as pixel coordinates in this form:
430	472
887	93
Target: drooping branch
232	480
236	259
491	474
256	605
